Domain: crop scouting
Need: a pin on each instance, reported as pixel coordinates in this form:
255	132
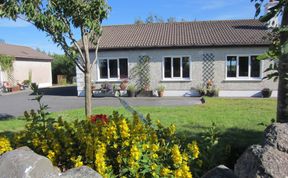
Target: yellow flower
186	171
165	172
51	155
172	129
153	166
124	129
154	147
4	145
185	157
126	143
145	147
193	147
134	165
115	145
35	142
176	155
119	159
100	158
154	156
178	173
111	131
135	153
77	162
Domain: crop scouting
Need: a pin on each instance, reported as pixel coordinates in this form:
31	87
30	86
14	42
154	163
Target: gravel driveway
64	98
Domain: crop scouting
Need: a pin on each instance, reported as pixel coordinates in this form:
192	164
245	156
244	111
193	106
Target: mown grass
242	114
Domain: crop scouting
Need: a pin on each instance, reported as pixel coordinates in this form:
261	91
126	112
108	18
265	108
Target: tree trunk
87	70
282	101
88	93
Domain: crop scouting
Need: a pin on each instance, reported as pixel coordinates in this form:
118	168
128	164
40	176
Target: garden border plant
140	148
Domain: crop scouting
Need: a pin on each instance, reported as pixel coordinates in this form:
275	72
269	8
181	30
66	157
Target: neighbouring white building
28	62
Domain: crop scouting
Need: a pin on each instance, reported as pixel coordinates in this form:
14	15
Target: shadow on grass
231	144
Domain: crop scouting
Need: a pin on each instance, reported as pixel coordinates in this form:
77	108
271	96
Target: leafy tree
60	19
155	19
62	65
279	52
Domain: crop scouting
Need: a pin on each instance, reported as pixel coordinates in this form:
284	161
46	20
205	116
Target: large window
243	67
177	67
113	68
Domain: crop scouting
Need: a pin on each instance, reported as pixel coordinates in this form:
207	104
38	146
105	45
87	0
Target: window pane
176	67
103	69
231	66
185	67
243	66
255	67
123	68
113	68
167	67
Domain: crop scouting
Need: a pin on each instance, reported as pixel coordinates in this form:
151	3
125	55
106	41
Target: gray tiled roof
184	34
22	52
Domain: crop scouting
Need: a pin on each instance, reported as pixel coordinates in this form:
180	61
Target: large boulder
219	172
81	172
24	163
276	135
267	160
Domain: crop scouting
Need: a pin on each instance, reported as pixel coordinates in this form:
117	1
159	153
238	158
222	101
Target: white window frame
172	78
248	78
108	68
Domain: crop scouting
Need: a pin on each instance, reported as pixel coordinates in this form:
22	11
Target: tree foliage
61	65
60	19
277	52
6	63
156	19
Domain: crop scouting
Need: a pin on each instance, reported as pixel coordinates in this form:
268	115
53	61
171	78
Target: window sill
176	80
108	80
243	80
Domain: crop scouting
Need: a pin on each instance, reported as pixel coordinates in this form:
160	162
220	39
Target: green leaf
284	48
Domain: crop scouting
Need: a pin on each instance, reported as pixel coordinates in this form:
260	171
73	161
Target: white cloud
10	23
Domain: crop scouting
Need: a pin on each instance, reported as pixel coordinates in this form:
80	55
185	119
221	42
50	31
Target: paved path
59	99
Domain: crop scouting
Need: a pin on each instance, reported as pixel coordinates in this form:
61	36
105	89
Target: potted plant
266	92
160	90
131	90
124	84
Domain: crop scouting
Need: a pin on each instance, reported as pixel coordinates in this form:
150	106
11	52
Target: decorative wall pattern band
208	67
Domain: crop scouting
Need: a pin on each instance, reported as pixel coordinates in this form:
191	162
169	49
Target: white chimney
273	22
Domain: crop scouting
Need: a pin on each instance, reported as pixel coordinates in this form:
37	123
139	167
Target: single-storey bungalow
185	55
28	63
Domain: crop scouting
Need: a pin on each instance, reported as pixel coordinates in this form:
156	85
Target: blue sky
126	11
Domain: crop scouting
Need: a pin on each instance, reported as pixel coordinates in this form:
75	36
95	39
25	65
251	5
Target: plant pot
131	93
160	93
123	85
266	93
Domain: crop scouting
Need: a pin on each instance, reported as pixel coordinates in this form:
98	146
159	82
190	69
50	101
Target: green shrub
114	145
208	89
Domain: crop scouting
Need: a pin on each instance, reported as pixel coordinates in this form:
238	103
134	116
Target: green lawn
228	114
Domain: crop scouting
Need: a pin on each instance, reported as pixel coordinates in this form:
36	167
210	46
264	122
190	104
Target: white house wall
41	71
196	56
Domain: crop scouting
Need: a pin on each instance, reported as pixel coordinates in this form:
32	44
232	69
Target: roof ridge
7	44
185	22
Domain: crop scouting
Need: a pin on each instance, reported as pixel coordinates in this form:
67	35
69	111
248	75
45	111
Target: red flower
99	117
